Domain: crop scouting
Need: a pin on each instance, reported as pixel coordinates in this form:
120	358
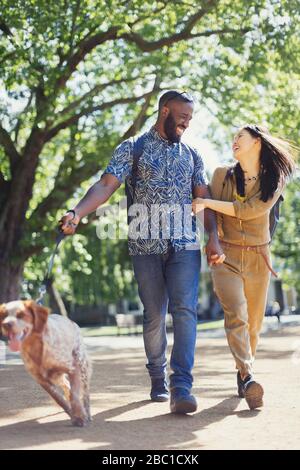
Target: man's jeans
173	278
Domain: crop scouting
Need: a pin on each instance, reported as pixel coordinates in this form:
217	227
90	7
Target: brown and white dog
53	352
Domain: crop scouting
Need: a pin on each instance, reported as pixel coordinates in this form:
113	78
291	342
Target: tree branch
65	187
74	19
220	32
92	92
87	45
9	148
60	184
149	46
142	117
142	18
19	121
87	111
185	33
84	48
114	32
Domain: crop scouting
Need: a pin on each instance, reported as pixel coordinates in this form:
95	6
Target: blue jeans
171	278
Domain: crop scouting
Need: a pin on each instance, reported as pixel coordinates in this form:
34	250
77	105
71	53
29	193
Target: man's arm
213	249
210	223
99	193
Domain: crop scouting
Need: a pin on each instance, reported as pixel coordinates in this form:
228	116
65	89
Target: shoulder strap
274	215
228	174
193	152
138	147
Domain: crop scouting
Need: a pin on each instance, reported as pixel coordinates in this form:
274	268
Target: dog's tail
81	355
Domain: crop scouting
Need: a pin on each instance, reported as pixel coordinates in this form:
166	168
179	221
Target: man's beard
170	129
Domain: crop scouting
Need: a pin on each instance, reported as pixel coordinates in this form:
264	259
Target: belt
257	249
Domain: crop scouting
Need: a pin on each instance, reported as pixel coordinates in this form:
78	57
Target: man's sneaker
159	390
182	401
253	393
240	385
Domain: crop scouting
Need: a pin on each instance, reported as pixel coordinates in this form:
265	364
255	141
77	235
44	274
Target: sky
195	136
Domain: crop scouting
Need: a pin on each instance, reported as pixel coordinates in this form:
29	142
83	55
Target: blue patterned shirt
166	176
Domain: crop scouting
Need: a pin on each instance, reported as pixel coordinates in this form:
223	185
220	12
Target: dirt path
124	418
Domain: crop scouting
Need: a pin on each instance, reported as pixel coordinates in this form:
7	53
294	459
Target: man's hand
214	251
68	223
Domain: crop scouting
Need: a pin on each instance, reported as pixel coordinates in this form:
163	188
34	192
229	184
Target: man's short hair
174	95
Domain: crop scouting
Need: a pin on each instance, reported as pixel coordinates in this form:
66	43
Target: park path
124	418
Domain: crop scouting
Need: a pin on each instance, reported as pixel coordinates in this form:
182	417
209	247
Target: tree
287	239
77	77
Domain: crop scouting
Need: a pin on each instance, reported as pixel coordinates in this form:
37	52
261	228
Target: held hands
214	251
68	223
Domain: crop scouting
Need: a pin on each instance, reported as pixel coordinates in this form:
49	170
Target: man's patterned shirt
167	173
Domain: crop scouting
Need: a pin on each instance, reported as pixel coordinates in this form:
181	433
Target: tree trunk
15	202
10	281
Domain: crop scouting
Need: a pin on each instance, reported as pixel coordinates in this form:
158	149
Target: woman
243	197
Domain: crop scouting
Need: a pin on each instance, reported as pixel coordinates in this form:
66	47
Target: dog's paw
79	422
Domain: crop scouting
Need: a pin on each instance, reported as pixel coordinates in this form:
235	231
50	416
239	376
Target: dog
53	352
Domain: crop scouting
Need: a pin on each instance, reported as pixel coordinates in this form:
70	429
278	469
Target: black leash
46	281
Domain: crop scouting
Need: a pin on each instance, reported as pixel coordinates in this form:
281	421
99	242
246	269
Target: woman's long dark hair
276	160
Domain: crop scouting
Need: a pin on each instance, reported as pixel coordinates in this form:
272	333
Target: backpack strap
138	147
229	173
275	215
193	152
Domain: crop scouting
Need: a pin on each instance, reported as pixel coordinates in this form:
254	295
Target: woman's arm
226	208
247	210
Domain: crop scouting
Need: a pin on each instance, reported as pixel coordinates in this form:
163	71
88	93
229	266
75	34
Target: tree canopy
79	76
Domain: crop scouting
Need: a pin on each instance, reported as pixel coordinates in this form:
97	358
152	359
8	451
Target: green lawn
113	331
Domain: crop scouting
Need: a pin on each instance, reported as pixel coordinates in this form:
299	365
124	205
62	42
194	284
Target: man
167	268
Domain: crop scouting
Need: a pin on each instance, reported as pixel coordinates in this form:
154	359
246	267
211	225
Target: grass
138	329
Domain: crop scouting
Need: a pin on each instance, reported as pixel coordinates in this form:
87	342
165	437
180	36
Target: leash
46	281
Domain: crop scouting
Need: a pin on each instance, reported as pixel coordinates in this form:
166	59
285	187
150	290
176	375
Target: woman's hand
198	205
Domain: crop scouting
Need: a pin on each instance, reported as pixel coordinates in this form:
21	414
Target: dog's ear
39	313
3	314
